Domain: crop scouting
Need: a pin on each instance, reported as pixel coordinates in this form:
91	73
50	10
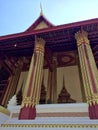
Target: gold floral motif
29	101
81	37
39	41
39	49
92	100
32	100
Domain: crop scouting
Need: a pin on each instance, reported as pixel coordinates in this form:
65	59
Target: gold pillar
81	82
89	72
31	93
13	81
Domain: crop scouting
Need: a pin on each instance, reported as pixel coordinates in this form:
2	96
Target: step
54	117
52	123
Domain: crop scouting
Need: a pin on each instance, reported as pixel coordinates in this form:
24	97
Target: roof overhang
58	38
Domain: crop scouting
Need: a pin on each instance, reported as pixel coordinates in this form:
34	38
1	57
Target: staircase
53	116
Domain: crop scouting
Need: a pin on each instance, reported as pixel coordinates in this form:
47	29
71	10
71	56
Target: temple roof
58	38
40	23
51	28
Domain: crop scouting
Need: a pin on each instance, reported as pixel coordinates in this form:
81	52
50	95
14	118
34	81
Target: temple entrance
64	53
68	86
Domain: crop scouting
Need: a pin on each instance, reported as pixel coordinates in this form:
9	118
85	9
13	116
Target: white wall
72	81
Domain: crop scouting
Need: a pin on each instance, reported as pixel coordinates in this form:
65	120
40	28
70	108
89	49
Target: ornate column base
93	111
27	113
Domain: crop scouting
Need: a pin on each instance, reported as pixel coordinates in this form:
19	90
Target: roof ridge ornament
41	12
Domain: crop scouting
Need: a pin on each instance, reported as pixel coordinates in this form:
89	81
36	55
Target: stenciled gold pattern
81	38
33	97
92	100
82	43
28	102
52	125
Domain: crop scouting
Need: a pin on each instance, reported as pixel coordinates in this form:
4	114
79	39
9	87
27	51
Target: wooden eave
58	39
55	28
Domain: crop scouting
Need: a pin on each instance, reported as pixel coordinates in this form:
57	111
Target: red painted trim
39	20
55	28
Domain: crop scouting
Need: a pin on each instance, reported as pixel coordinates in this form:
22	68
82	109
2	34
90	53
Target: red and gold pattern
89	72
31	94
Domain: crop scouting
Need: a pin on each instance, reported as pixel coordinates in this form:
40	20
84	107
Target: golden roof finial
41	12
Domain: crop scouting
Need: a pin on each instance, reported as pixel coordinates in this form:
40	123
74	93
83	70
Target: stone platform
52	116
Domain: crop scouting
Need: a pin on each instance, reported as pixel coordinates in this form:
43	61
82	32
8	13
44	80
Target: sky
18	15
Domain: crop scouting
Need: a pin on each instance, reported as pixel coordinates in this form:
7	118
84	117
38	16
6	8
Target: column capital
39	44
81	37
39	41
93	99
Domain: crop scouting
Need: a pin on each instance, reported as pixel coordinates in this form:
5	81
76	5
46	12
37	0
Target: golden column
89	72
31	94
13	81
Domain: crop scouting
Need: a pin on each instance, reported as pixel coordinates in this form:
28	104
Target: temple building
49	76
